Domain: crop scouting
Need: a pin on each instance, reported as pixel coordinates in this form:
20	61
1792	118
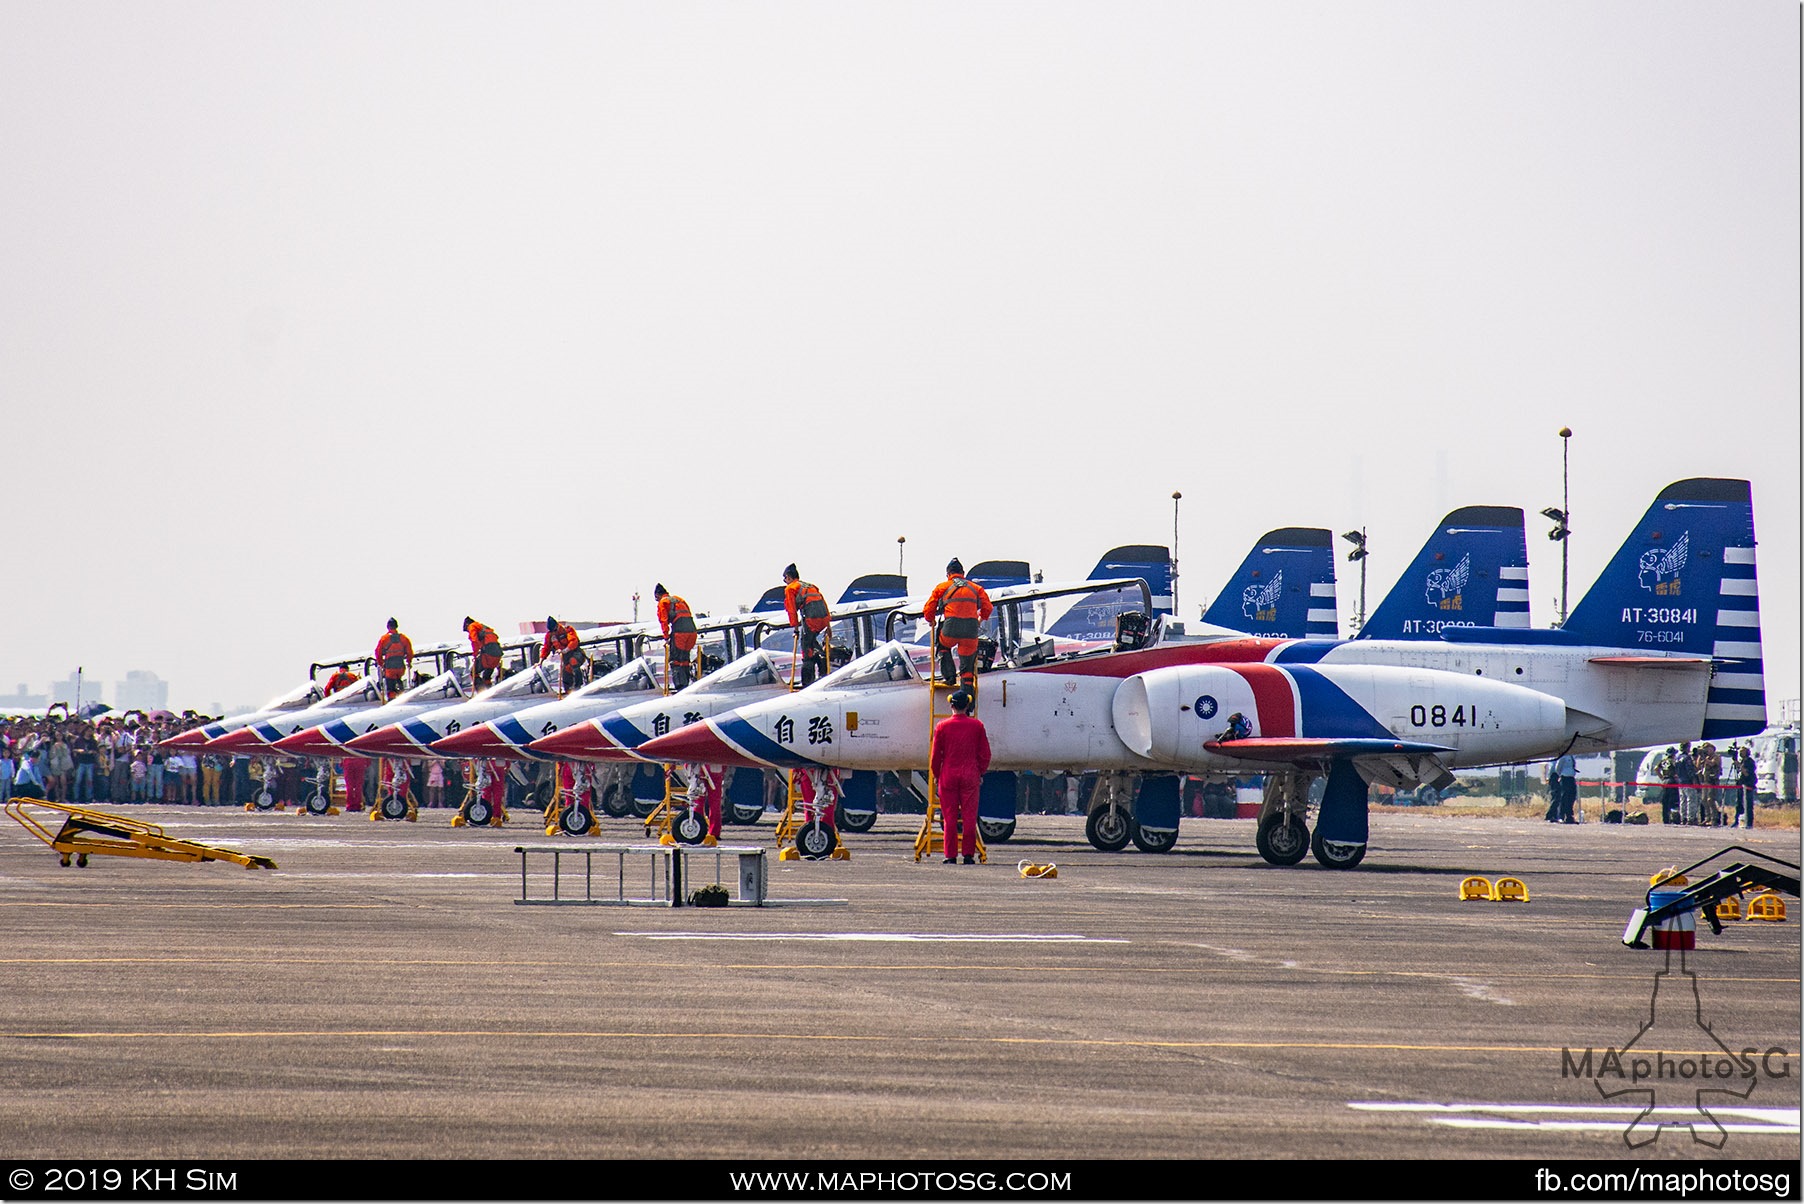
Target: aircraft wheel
1282	843
614	802
689	826
744	814
394	807
479	813
1334	854
1155	840
815	840
643	807
318	804
265	800
996	831
1109	830
575	821
864	821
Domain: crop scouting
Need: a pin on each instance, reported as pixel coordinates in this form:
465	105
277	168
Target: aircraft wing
1292	749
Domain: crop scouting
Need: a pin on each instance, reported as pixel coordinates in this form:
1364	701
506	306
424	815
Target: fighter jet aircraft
1649	655
299	698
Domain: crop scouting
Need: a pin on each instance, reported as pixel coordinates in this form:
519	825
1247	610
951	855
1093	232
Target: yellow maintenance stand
85	832
931	838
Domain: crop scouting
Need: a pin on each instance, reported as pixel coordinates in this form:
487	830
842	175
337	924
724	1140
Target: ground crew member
960	756
809	617
394	657
344	679
485	648
678	625
563	640
960	605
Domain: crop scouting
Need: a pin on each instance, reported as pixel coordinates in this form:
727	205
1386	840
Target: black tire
575	821
642	807
1282	843
614	802
318	804
479	813
1335	855
995	831
394	807
81	859
265	800
689	826
1155	840
745	816
1109	830
856	821
815	840
1427	796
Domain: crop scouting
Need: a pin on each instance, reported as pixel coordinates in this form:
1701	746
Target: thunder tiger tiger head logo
1659	568
1261	601
1445	587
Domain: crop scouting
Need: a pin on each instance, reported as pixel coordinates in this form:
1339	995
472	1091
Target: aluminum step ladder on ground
931	838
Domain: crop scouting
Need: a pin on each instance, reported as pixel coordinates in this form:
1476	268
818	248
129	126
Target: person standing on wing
960	756
809	617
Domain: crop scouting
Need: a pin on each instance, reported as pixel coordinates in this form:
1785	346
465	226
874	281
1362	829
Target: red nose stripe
585	741
478	741
697	744
387	741
187	739
243	739
308	743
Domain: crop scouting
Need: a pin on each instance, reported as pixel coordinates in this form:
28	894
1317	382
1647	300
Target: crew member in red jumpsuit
961	754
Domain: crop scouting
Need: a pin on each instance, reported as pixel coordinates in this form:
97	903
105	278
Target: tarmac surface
382	995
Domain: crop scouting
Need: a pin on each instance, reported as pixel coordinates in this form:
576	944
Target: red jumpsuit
961	755
354	770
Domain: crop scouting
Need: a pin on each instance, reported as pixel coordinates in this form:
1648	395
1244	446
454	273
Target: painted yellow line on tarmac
835	1038
786	966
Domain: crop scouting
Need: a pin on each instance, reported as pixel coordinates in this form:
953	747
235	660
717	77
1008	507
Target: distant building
19	700
141	690
89	689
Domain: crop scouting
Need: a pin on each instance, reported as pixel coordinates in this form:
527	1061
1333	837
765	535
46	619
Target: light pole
635	606
900	540
1176	497
1358	540
1562	518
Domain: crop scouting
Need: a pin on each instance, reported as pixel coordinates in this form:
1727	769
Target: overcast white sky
314	313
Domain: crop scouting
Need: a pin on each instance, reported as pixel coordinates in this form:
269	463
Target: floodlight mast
1358	540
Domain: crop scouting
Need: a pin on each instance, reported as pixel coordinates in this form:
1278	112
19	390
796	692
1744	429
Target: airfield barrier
663	878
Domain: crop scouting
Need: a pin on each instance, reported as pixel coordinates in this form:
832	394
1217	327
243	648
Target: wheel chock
458	821
1476	888
1766	907
789	853
1728	908
667	839
1030	870
840	853
1669	875
1510	890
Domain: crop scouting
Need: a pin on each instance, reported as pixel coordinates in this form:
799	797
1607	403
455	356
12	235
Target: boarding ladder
85	832
1702	896
931	838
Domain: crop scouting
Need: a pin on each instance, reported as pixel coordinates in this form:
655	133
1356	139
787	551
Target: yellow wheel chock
1670	875
1766	907
1510	890
1029	870
1728	908
85	832
1476	888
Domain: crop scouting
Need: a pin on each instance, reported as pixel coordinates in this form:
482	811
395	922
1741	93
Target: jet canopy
304	695
750	671
892	662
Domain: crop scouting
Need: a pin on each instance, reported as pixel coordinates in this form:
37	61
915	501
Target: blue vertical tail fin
1472	572
1092	617
1684	581
1284	588
875	585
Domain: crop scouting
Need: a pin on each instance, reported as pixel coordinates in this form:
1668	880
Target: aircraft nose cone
308	743
478	741
388	741
243	740
586	741
192	738
697	744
